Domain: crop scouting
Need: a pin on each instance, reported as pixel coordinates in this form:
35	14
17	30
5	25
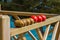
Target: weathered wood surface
4	27
15	31
58	32
55	30
39	34
46	32
25	13
29	32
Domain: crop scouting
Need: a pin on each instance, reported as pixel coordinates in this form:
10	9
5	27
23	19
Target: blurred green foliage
45	6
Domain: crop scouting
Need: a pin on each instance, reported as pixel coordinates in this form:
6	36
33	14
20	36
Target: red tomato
39	18
34	18
43	17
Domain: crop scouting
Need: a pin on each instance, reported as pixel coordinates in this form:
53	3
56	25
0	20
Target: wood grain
4	27
34	26
55	30
25	13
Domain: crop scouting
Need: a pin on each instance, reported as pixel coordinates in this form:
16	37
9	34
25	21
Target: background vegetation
45	6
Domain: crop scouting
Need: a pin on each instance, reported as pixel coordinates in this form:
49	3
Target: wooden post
46	32
39	34
55	30
4	27
58	32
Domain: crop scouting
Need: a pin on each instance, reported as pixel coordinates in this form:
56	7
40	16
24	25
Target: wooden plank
55	31
58	32
46	32
21	37
25	13
33	37
39	34
34	26
4	27
29	32
16	17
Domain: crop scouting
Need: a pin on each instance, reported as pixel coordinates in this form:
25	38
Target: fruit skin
34	18
40	19
43	17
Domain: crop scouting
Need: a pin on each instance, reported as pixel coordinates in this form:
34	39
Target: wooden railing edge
4	27
15	31
25	13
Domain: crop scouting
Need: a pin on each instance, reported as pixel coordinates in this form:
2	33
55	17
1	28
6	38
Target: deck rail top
24	13
33	26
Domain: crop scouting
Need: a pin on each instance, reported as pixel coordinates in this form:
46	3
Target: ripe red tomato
34	18
39	18
43	17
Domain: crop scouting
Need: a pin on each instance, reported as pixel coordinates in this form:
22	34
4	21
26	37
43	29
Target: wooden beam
39	34
55	30
21	37
58	32
15	31
16	17
46	32
33	37
4	27
25	13
29	32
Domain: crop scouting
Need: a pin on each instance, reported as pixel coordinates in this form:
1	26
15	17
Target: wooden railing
6	32
4	27
25	13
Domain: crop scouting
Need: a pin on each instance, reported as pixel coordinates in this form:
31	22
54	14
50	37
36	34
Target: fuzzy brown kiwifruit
19	23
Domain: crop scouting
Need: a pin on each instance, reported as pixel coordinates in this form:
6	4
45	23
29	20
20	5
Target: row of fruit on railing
29	21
